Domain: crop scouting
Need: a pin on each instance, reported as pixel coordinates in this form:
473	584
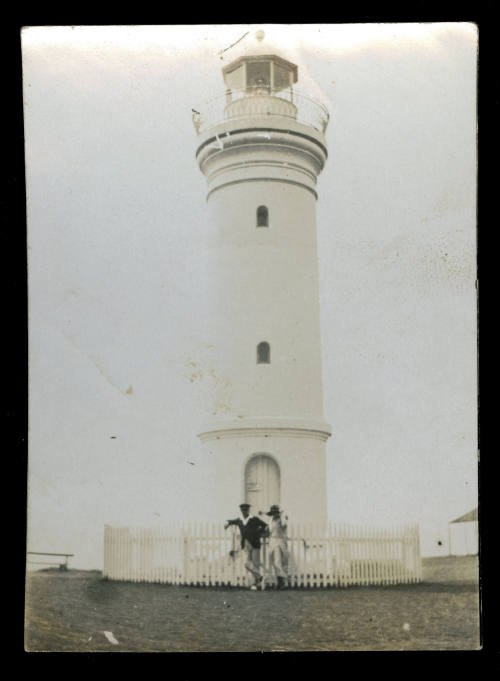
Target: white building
463	535
261	147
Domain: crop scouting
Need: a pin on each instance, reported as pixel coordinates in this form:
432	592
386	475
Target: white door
262	483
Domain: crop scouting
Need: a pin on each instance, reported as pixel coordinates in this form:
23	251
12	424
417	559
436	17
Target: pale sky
117	226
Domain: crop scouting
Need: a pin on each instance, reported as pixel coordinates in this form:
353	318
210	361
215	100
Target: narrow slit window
262	216
263	353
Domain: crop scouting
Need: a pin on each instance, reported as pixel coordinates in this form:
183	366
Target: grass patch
68	611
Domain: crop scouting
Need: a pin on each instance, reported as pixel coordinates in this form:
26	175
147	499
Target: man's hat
274	510
244	505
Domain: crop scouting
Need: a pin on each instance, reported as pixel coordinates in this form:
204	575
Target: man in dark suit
251	529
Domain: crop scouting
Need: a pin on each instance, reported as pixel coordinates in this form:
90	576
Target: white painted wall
463	538
302	471
262	285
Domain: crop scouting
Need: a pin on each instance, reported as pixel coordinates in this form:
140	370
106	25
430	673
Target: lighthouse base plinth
264	462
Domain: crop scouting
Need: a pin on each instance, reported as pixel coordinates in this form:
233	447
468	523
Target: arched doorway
262	483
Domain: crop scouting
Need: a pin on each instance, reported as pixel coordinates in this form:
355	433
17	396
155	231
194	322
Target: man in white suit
278	550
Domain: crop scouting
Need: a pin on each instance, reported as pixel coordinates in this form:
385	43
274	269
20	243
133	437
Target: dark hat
274	510
244	505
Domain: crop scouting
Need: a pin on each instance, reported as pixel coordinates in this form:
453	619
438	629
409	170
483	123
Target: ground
68	611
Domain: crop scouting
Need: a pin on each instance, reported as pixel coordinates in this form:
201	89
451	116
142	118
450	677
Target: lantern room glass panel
259	77
282	77
236	79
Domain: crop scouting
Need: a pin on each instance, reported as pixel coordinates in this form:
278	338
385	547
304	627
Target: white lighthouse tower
261	147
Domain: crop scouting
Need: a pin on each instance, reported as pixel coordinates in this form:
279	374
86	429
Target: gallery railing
257	102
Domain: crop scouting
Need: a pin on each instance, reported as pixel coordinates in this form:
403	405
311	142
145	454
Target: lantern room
259	75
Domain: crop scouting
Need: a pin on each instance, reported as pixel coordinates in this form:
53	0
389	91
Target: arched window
263	353
262	216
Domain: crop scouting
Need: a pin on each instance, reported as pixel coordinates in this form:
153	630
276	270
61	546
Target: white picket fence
203	555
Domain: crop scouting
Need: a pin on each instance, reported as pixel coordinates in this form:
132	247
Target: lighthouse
261	147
